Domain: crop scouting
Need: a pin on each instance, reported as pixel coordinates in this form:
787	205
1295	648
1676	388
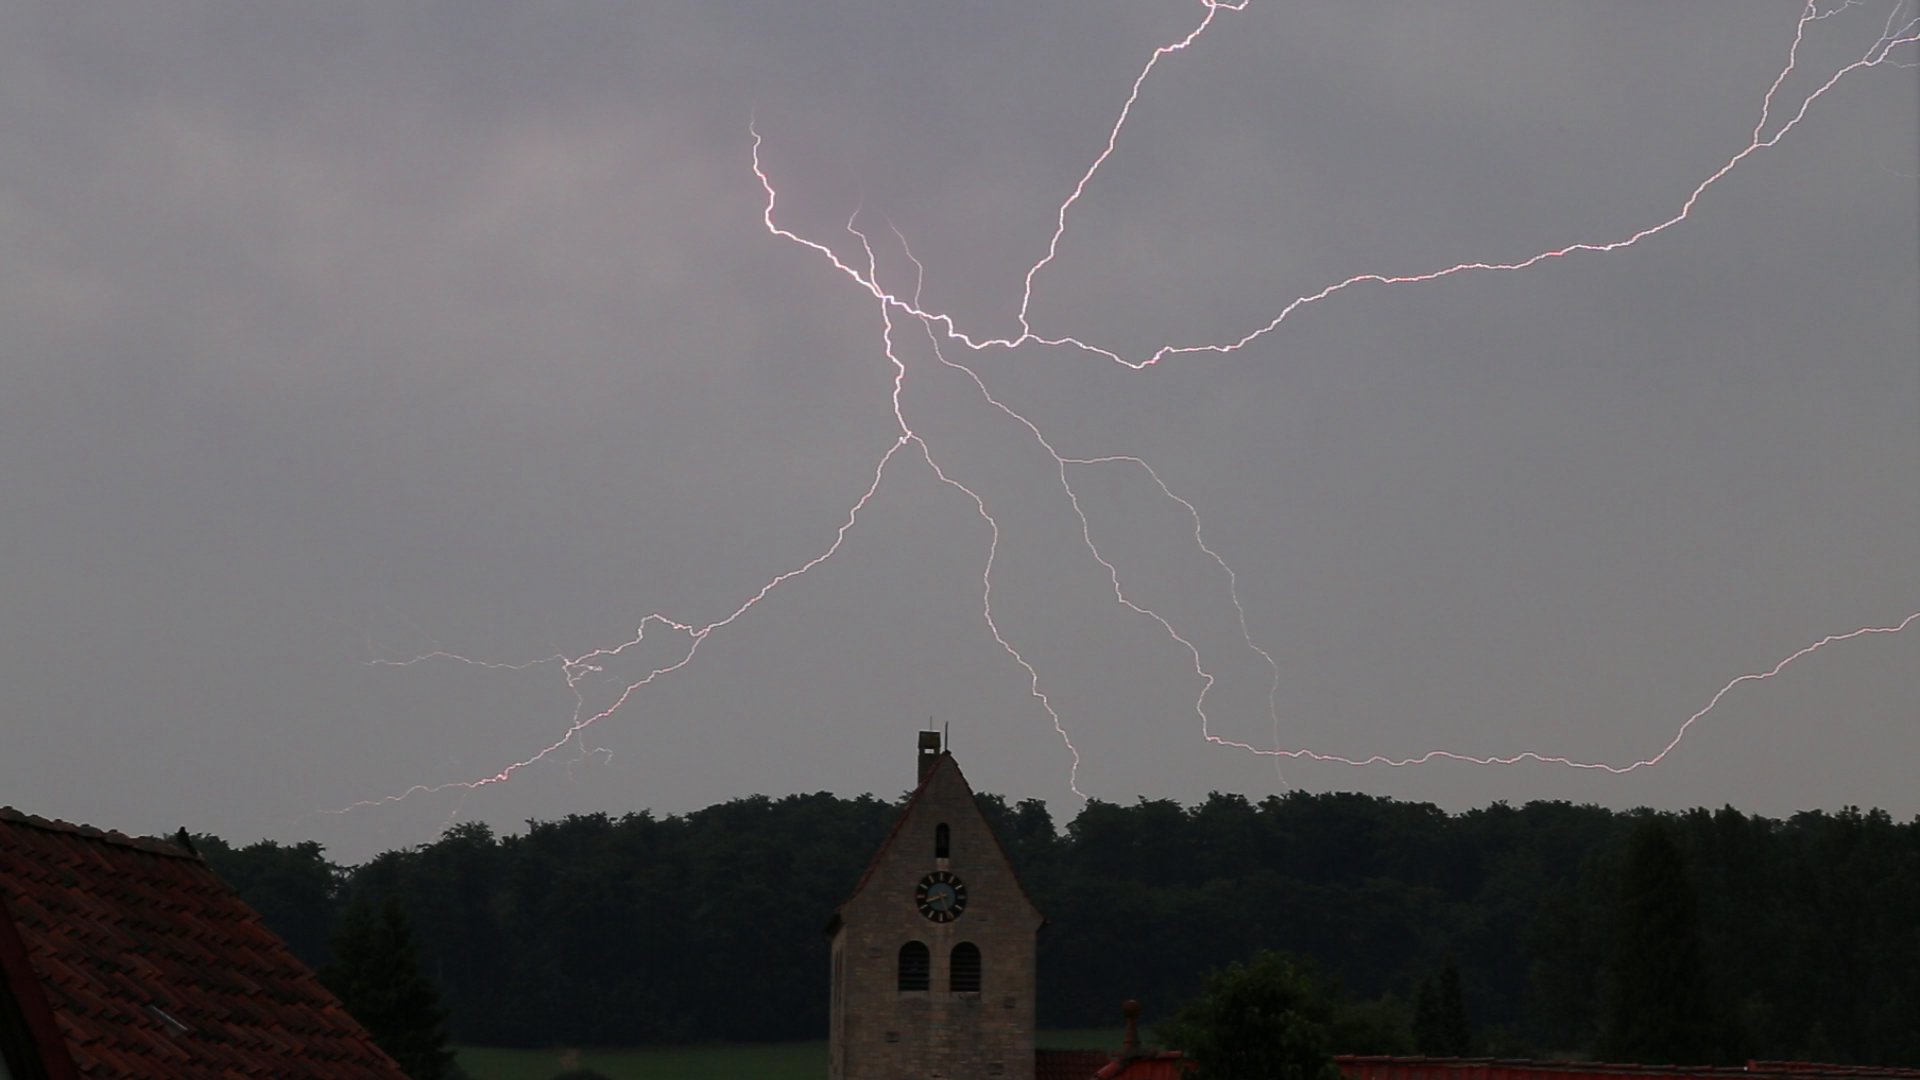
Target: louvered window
942	840
963	970
916	966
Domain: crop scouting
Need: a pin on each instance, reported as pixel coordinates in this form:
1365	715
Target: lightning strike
1553	759
942	330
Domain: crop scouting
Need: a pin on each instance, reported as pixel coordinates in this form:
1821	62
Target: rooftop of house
128	957
1367	1067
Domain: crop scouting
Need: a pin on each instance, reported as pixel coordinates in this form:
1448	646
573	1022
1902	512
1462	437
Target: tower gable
943	798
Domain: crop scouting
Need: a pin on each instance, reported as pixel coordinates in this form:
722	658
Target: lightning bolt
1902	29
943	333
1555	759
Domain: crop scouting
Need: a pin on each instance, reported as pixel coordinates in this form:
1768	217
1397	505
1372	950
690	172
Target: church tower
933	954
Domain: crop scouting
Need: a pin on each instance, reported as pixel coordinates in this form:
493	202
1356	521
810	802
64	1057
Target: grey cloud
344	333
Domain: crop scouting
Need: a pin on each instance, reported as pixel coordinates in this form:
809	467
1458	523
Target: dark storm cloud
349	332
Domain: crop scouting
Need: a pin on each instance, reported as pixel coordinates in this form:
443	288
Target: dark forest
1794	939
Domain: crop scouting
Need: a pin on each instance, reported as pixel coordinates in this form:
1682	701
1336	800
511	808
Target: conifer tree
1440	1026
1427	1032
1455	1031
1656	1009
376	975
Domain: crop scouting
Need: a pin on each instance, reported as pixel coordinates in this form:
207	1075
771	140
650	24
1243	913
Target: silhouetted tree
1656	1008
1383	1025
1455	1030
1427	1035
636	929
1440	1026
292	886
1265	1019
376	975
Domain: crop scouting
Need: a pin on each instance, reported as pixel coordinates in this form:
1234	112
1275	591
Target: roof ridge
150	845
893	830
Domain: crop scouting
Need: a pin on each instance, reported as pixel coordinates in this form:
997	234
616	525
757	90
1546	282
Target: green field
773	1061
728	1061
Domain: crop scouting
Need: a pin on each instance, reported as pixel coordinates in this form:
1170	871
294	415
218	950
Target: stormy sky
336	335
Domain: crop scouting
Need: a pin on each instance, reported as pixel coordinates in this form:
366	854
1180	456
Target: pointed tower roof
937	770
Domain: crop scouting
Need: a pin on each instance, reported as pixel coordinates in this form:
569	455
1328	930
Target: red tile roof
1364	1067
144	964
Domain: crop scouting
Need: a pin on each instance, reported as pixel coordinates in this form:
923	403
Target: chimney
1131	1010
929	753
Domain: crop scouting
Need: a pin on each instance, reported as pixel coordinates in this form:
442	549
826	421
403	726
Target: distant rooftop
1360	1067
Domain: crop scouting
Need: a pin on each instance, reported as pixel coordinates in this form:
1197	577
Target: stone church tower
933	954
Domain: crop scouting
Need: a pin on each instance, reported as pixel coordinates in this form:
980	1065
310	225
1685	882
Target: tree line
1559	929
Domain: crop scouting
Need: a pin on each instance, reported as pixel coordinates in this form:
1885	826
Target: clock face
940	896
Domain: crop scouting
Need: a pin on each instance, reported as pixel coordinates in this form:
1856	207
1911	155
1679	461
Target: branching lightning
944	336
